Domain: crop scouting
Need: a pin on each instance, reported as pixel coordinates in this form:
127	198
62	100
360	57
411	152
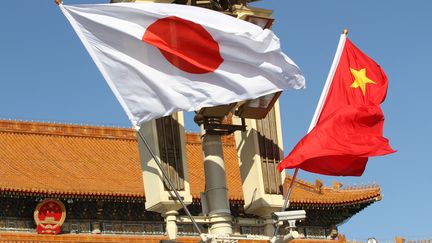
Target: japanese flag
163	58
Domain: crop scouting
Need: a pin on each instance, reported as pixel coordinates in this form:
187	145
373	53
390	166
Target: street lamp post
210	120
216	189
216	192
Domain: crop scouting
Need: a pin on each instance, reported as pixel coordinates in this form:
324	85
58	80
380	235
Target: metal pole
159	164
286	202
216	189
329	79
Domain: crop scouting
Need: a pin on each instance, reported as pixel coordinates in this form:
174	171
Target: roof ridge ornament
337	185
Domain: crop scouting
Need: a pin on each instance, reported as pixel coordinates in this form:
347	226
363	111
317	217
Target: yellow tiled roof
308	193
61	159
84	160
69	159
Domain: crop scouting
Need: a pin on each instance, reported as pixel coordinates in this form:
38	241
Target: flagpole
288	195
317	113
329	79
164	173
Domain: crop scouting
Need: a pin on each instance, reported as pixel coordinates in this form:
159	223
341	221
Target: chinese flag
349	128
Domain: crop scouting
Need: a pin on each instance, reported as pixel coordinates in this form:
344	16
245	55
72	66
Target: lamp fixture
262	22
257	108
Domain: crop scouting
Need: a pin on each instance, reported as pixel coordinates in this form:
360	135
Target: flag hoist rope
159	164
317	113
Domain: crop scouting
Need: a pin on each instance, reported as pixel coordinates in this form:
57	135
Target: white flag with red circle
162	58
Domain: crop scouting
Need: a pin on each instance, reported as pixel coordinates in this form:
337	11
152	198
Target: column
171	224
216	189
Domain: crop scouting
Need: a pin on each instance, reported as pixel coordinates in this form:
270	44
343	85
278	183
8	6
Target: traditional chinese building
95	173
74	183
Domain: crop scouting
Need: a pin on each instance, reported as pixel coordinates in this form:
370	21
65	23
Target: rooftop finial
345	31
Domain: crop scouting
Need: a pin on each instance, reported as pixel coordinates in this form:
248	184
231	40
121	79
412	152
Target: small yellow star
360	79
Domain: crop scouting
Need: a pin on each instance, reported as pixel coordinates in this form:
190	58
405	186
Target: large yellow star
360	79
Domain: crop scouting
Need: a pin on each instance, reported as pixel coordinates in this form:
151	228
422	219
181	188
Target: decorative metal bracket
214	128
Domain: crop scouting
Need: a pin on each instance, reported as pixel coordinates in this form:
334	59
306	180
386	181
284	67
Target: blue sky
46	75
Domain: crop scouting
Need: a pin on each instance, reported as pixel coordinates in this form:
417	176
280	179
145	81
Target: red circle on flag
185	44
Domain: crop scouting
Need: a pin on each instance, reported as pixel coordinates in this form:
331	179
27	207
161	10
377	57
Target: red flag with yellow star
349	128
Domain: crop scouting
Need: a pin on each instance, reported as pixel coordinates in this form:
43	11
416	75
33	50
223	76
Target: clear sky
46	75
